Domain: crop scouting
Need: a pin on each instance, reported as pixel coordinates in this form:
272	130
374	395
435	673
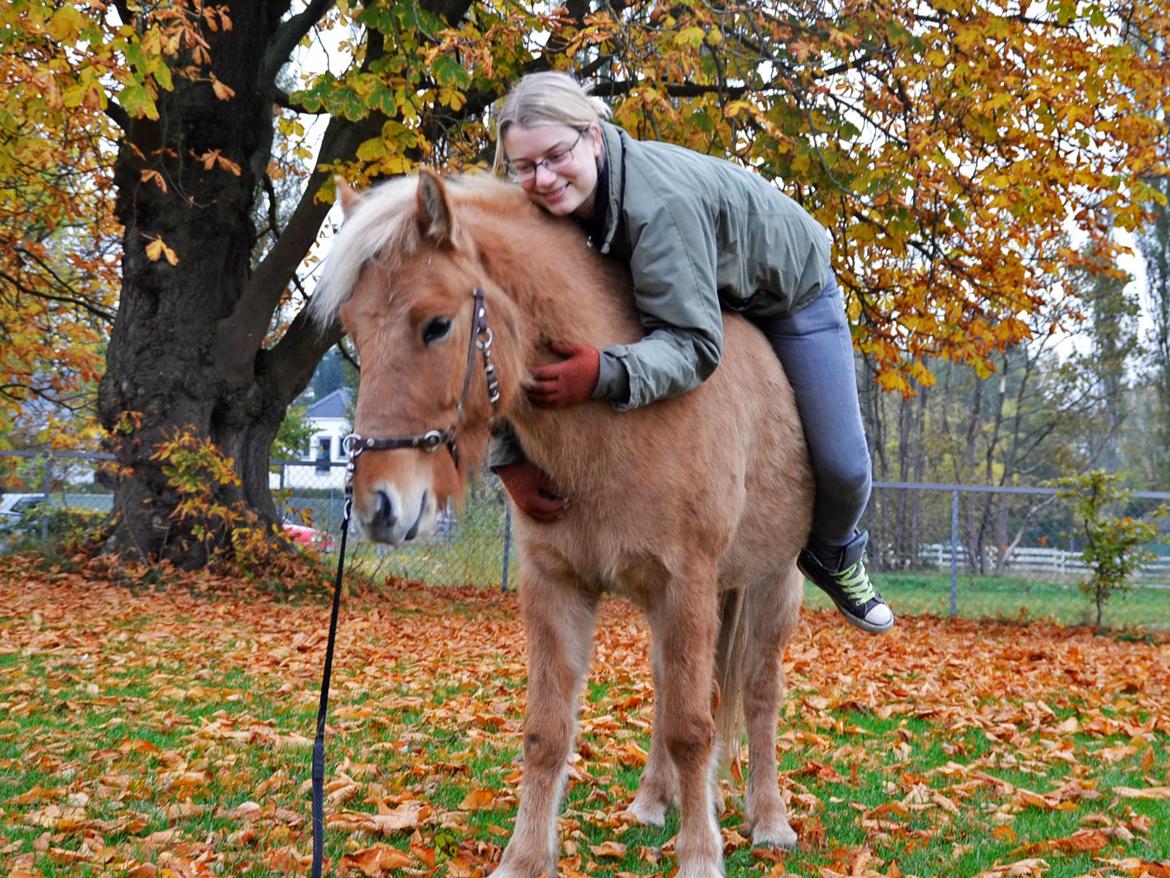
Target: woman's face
556	166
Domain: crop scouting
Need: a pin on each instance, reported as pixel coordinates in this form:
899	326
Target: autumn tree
944	145
58	253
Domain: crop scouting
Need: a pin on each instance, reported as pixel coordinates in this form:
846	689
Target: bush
67	526
1114	541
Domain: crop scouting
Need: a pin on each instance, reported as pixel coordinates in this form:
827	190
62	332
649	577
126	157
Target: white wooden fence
1041	560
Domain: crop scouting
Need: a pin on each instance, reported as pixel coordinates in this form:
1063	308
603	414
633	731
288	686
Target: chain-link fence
948	532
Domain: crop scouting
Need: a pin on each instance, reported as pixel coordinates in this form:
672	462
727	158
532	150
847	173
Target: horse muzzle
387	515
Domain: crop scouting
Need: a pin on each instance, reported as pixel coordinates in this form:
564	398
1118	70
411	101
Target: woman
699	234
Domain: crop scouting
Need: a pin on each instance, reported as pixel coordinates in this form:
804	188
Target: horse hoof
780	836
648	812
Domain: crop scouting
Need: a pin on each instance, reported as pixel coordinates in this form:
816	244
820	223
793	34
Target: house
330	420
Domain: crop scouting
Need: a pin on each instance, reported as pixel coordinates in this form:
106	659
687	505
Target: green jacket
699	234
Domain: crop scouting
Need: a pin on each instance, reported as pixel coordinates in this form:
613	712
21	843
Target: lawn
1015	598
151	733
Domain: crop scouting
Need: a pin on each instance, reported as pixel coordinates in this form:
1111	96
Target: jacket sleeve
673	264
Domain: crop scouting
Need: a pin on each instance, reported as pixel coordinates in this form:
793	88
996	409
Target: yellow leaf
157	249
66	24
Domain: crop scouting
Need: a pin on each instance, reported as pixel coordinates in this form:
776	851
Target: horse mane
384	226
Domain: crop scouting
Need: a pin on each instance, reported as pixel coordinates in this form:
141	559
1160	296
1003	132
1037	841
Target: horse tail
729	675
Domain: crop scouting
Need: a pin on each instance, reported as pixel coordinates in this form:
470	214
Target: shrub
1114	542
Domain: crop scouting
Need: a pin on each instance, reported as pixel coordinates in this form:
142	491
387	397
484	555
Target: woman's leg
816	350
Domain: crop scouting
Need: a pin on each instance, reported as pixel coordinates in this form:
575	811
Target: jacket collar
614	150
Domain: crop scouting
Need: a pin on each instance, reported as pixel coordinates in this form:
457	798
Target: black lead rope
323	709
480	339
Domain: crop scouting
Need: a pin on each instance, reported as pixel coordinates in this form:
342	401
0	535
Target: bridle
354	445
481	338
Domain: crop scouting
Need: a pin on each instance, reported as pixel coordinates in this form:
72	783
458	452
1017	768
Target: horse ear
434	213
346	194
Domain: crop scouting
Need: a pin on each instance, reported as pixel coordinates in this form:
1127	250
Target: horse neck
562	288
562	291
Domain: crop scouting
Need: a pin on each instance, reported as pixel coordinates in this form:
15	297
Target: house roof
334	405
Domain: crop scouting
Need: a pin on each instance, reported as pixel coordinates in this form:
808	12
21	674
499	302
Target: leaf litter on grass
147	732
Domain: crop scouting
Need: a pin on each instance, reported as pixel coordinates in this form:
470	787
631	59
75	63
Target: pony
694	508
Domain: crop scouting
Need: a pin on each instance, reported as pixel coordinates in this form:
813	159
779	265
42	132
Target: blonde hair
546	98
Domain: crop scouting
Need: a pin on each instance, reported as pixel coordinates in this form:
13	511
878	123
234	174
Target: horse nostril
385	509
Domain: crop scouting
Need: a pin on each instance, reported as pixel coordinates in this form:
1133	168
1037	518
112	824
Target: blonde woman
699	234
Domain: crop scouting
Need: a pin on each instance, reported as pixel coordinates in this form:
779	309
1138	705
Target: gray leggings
815	348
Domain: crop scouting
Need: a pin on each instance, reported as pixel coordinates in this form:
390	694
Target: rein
354	445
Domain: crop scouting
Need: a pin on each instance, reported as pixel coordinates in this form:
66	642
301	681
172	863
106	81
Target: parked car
13	507
309	536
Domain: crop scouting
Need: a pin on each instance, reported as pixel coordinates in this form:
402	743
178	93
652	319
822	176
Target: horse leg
773	612
558	620
688	619
658	786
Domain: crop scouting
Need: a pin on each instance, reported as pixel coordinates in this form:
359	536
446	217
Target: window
324	452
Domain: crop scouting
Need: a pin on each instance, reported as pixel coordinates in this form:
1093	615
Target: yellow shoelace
855	583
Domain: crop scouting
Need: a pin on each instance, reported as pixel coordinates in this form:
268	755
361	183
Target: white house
329	418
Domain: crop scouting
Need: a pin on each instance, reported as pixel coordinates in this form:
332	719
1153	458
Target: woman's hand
569	382
533	492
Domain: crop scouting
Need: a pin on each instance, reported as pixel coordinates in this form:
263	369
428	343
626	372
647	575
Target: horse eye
436	328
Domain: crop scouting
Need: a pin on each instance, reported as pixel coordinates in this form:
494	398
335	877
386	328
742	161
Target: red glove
569	382
533	492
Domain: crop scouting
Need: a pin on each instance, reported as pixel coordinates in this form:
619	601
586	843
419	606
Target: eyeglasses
523	171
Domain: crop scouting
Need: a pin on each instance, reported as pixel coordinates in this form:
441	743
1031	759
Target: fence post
46	486
507	543
954	553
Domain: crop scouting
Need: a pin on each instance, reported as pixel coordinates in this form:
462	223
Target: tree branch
286	38
289	366
284	99
121	117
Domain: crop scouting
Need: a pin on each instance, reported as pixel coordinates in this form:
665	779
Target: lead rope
323	706
481	339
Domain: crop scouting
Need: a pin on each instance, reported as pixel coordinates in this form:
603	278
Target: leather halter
481	338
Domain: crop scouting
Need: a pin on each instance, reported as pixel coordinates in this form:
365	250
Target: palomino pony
452	291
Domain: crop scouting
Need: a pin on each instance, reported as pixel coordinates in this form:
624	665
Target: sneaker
848	584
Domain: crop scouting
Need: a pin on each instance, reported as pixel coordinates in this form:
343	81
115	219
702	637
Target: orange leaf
223	92
1142	792
376	861
154	177
614	849
478	800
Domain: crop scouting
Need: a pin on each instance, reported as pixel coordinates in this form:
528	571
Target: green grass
112	698
1011	598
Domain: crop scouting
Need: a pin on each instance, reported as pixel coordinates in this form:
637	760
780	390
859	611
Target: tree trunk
188	350
167	366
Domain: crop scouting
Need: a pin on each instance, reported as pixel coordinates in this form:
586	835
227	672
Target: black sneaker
849	586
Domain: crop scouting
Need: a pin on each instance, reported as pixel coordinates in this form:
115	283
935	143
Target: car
308	536
13	507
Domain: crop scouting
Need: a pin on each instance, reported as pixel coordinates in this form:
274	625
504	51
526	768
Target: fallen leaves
172	735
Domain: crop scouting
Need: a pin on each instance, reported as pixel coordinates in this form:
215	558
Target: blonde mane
384	226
